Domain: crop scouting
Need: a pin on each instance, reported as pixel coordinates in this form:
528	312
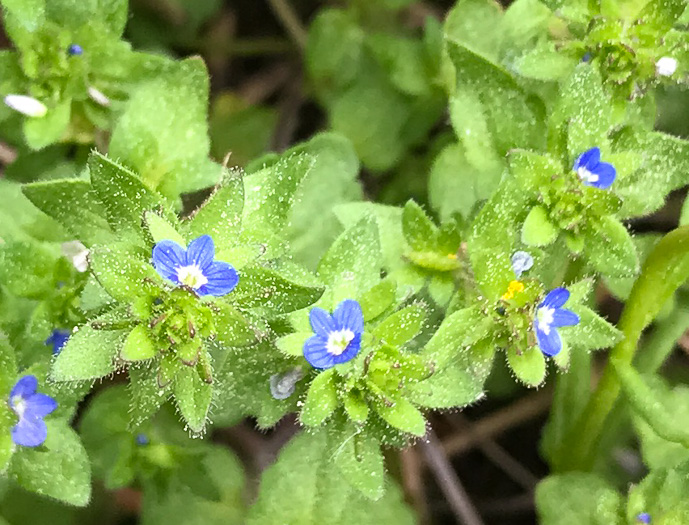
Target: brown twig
288	121
525	409
448	481
412	482
7	154
290	21
264	83
500	457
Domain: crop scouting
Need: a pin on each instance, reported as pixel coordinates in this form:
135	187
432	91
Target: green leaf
164	141
28	269
60	469
592	333
418	229
193	398
378	299
402	326
538	230
146	396
610	248
73	204
323	495
233	328
122	193
661	15
321	400
544	62
269	197
161	230
528	366
221	215
40	132
109	14
88	354
475	23
361	463
403	415
648	405
8	366
273	292
293	344
572	499
354	260
531	170
138	345
122	270
663	495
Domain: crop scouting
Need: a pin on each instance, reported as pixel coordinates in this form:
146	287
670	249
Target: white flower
98	97
77	253
26	105
666	66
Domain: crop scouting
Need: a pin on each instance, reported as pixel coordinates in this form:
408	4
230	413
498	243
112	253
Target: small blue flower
521	262
587	57
644	517
592	171
549	316
58	338
31	407
75	50
195	267
338	337
142	439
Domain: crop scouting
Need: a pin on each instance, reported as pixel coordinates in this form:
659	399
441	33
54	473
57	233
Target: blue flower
75	49
644	517
31	407
338	336
592	171
521	262
58	338
549	316
142	439
195	267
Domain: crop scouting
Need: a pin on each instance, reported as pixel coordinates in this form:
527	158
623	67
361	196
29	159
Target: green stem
666	268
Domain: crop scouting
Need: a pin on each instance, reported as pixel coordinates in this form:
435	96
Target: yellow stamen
513	288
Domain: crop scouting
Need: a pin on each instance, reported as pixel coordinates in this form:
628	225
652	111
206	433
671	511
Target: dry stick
289	115
290	21
264	83
449	481
519	412
412	482
501	458
7	154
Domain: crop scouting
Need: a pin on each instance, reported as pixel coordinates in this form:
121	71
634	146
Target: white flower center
666	66
545	316
191	276
338	341
586	176
18	404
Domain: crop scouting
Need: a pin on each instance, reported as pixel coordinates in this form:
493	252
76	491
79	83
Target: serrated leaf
378	299
402	326
321	399
60	469
610	249
592	332
161	230
418	229
122	270
88	354
293	344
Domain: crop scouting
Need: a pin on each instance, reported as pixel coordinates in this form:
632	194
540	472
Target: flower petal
316	353
555	298
588	159
58	339
348	315
563	317
25	387
168	256
550	344
350	352
321	322
222	279
606	175
39	405
30	432
201	252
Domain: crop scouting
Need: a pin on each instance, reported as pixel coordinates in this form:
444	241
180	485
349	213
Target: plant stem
290	21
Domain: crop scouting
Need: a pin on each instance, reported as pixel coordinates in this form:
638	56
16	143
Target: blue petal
39	405
550	344
201	252
321	322
588	159
316	353
555	298
350	352
29	432
222	279
348	315
644	517
58	339
168	256
562	317
606	175
25	387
